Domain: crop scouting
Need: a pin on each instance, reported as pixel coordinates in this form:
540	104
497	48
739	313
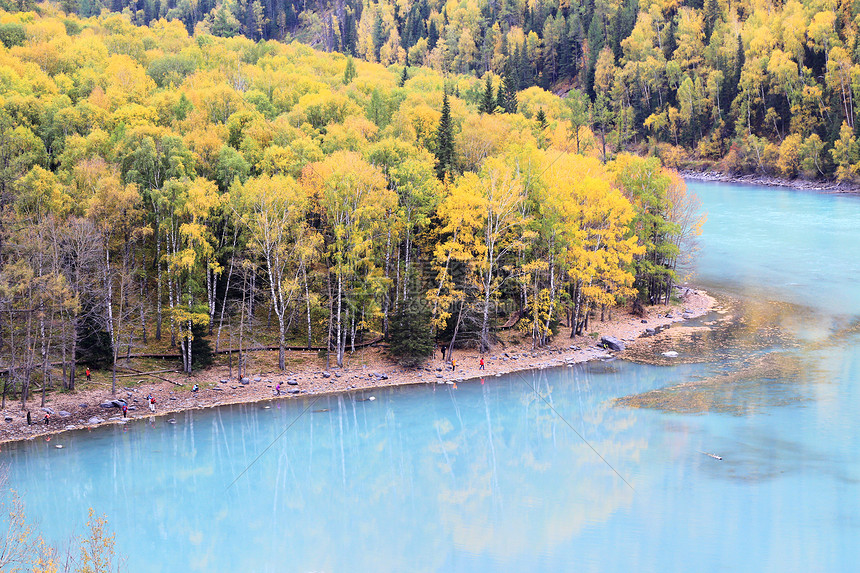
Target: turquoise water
492	477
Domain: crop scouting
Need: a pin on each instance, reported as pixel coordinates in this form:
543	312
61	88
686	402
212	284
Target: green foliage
94	347
171	69
488	102
445	141
201	348
350	73
410	335
12	35
231	166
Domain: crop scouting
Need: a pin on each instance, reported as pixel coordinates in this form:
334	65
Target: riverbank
306	375
753	179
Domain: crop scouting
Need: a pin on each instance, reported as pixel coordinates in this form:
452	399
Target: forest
167	192
740	87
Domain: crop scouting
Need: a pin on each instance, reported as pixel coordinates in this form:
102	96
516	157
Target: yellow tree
116	211
274	209
188	205
462	215
502	194
352	198
593	219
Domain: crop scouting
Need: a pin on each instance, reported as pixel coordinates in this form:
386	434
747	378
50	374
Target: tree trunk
158	285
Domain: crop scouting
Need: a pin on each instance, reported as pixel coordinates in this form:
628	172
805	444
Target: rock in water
612	343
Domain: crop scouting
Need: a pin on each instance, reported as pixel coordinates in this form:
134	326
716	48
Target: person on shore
442	350
152	403
481	367
453	365
88	373
278	389
29	420
195	388
125	410
47	417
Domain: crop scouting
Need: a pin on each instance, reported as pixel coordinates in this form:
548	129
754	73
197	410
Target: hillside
740	87
167	193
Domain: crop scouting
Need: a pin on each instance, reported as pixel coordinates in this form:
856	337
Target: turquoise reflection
492	477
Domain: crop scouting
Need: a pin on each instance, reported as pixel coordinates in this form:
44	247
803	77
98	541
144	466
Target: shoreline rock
769	181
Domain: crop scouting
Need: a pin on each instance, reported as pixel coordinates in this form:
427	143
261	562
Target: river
599	467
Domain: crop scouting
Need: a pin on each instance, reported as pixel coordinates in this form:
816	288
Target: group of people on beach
454	360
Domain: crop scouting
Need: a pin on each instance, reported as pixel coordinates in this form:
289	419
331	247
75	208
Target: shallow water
495	476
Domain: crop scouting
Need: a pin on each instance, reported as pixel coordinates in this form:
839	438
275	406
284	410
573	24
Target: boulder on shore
611	343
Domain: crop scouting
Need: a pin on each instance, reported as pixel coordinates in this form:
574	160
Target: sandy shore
306	375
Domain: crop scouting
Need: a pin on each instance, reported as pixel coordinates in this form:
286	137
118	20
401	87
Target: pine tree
565	56
445	140
378	36
201	349
488	102
432	35
349	72
410	336
507	97
403	77
540	118
712	14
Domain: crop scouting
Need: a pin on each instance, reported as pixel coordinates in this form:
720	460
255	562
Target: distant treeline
741	86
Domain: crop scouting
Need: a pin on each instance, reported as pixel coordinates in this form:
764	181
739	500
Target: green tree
577	115
410	336
349	73
445	141
488	102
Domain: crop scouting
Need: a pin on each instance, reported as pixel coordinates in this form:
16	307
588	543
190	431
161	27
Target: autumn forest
738	87
175	192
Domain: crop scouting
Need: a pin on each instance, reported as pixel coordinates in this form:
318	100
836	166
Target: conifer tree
349	73
410	335
507	98
403	77
488	102
540	118
378	36
445	140
432	35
